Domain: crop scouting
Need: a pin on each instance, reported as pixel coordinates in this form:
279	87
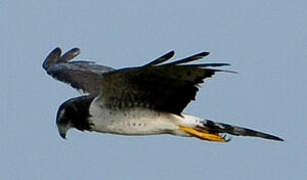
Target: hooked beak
63	135
63	130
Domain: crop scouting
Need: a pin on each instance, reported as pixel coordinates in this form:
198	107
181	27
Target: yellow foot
203	134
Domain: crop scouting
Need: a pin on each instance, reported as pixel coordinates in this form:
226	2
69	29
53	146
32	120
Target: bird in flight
143	100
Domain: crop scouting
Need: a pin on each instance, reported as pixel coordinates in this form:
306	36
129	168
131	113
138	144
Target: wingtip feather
205	53
69	55
190	58
52	57
161	59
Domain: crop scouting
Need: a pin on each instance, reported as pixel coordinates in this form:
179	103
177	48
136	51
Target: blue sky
265	41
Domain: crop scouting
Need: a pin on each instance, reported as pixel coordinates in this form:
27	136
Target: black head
74	113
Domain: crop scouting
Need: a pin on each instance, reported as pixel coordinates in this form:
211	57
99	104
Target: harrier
143	100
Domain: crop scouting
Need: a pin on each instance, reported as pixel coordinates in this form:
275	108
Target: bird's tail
214	131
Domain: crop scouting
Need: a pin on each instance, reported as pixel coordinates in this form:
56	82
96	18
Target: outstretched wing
82	75
85	76
165	87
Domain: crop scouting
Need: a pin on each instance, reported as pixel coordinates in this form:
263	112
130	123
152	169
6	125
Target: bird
139	101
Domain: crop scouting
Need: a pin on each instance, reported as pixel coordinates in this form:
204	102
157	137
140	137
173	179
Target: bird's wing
164	87
161	59
82	75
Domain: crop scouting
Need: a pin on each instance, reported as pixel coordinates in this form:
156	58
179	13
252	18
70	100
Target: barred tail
215	127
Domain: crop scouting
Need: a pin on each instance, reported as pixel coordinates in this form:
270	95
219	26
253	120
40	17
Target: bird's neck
82	114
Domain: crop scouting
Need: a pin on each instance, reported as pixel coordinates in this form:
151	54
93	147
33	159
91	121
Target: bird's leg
203	134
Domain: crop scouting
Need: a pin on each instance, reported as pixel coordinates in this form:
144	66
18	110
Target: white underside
138	121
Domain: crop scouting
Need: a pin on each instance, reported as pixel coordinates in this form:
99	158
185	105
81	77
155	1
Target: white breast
131	121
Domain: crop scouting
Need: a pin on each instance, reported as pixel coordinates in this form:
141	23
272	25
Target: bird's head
74	113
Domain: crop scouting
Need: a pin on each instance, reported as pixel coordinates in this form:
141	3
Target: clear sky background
265	41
